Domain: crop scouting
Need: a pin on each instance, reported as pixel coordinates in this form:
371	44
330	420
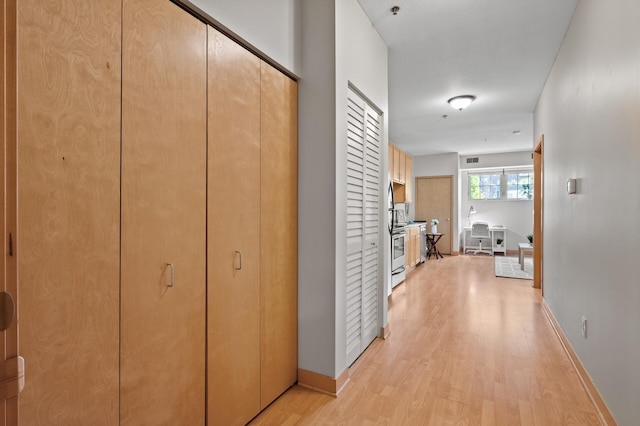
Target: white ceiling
500	51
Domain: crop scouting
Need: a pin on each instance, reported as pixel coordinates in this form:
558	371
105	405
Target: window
484	186
516	185
520	186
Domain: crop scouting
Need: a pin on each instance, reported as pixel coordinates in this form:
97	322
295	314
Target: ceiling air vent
471	160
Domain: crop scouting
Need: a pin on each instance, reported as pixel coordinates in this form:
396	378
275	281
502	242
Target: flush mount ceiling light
461	102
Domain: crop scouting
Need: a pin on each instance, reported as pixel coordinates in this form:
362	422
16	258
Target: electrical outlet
584	327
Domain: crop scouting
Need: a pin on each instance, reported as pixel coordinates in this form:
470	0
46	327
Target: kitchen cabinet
408	182
408	248
412	247
162	360
401	173
416	246
396	164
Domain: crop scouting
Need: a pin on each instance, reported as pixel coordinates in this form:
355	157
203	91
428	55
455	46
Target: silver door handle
170	265
238	255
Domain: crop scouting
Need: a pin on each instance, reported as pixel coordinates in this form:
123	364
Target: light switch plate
571	186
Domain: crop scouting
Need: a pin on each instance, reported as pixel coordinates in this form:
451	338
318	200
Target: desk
494	231
524	249
432	245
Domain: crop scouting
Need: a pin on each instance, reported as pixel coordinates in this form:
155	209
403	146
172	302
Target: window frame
504	183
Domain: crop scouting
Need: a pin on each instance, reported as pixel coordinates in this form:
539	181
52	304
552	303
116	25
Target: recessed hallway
465	348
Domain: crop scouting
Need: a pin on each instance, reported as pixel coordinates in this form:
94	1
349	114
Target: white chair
480	231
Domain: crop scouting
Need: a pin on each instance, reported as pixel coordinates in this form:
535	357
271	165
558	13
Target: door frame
451	195
538	213
8	266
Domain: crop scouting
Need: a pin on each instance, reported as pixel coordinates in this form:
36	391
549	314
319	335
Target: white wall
327	44
338	40
317	191
589	114
438	165
273	27
515	215
504	159
361	59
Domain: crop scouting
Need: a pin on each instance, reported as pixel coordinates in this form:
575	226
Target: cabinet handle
170	265
239	256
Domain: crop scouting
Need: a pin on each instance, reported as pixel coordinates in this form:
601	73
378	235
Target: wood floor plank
465	348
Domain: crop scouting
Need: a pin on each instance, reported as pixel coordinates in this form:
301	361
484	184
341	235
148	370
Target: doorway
434	200
538	213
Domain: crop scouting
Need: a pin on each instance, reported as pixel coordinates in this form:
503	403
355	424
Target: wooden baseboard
384	332
606	418
321	383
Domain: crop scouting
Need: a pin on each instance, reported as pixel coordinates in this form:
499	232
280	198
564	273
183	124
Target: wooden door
233	233
67	242
163	215
434	200
278	233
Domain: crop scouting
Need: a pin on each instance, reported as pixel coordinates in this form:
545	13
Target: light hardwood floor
466	348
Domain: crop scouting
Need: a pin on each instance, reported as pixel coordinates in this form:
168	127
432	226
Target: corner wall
273	27
589	114
439	165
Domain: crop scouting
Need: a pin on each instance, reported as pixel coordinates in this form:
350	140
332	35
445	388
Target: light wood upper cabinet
164	141
401	168
401	174
396	164
408	182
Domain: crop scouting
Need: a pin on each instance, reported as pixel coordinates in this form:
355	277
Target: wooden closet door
163	215
279	233
233	233
67	242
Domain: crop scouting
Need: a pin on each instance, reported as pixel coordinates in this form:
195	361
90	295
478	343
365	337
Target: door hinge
11	377
10	245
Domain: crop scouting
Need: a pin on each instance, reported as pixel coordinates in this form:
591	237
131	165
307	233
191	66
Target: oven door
398	254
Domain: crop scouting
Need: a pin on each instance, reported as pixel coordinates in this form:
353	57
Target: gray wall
589	114
439	165
337	45
274	26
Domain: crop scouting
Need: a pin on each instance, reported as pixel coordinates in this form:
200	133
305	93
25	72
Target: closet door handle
170	265
238	256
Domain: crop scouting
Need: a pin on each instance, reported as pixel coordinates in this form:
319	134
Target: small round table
432	245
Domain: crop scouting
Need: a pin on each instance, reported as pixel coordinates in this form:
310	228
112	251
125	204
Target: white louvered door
363	239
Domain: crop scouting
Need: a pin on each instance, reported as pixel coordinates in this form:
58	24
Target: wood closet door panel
163	215
67	241
233	233
279	233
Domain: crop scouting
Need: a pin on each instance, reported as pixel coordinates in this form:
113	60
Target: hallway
465	348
